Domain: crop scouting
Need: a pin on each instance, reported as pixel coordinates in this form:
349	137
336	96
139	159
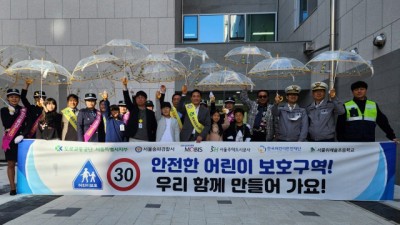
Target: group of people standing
189	118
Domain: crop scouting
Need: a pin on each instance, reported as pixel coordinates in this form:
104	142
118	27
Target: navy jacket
113	127
85	118
34	111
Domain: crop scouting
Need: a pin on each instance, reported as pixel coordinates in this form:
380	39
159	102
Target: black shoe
13	192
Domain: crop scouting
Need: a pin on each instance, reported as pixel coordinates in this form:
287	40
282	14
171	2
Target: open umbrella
190	57
340	64
225	80
128	50
47	72
80	88
202	71
246	55
156	68
97	67
277	68
13	54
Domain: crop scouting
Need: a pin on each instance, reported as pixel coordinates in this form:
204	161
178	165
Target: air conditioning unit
308	47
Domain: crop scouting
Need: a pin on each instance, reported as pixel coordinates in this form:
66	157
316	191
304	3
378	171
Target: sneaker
13	192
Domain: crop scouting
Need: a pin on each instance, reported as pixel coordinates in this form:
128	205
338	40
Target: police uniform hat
114	108
90	96
319	86
149	103
203	102
37	94
359	84
293	89
13	91
166	104
121	103
229	99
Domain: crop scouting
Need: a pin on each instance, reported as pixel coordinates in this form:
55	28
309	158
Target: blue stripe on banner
377	185
23	149
389	149
34	179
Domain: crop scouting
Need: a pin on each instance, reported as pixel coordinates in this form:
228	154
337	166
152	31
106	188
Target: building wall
358	22
71	29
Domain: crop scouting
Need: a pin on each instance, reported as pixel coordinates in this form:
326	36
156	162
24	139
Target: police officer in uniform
361	117
293	121
13	132
35	111
322	113
88	116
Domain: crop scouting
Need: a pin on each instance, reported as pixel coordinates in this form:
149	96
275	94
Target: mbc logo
193	149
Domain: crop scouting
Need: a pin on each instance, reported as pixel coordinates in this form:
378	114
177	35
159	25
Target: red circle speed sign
123	174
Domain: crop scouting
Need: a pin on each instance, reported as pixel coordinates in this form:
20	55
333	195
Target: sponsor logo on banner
123	174
138	149
76	148
262	149
88	178
192	148
214	149
58	148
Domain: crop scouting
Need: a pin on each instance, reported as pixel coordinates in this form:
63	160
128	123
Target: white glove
11	110
18	139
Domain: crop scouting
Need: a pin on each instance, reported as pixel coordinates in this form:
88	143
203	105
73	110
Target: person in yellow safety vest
362	115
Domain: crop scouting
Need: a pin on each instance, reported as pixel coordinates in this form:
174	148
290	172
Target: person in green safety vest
362	115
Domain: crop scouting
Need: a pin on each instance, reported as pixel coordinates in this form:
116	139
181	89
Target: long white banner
309	170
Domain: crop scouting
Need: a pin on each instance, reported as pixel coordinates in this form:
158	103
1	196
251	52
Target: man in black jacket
142	123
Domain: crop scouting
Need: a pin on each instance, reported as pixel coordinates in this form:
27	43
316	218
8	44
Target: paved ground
46	210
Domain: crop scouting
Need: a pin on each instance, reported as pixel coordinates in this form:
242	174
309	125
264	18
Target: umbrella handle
5	102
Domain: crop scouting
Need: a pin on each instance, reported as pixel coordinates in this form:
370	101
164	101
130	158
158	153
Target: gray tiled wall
71	29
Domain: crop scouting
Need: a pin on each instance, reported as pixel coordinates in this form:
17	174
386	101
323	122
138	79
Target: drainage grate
308	213
107	196
224	202
63	212
154	206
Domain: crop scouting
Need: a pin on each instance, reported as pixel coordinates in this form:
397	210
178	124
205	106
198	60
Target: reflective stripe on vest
370	112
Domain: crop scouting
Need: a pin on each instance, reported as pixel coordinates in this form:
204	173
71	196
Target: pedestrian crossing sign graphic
88	178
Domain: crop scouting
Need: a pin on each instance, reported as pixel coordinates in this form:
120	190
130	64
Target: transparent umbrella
128	50
246	55
225	80
47	72
277	68
203	70
190	57
156	68
13	54
97	67
340	64
80	88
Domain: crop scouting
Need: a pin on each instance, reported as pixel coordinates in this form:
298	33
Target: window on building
229	27
237	27
306	8
190	28
260	27
212	29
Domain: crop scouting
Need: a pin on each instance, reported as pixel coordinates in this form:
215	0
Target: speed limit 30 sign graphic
123	174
